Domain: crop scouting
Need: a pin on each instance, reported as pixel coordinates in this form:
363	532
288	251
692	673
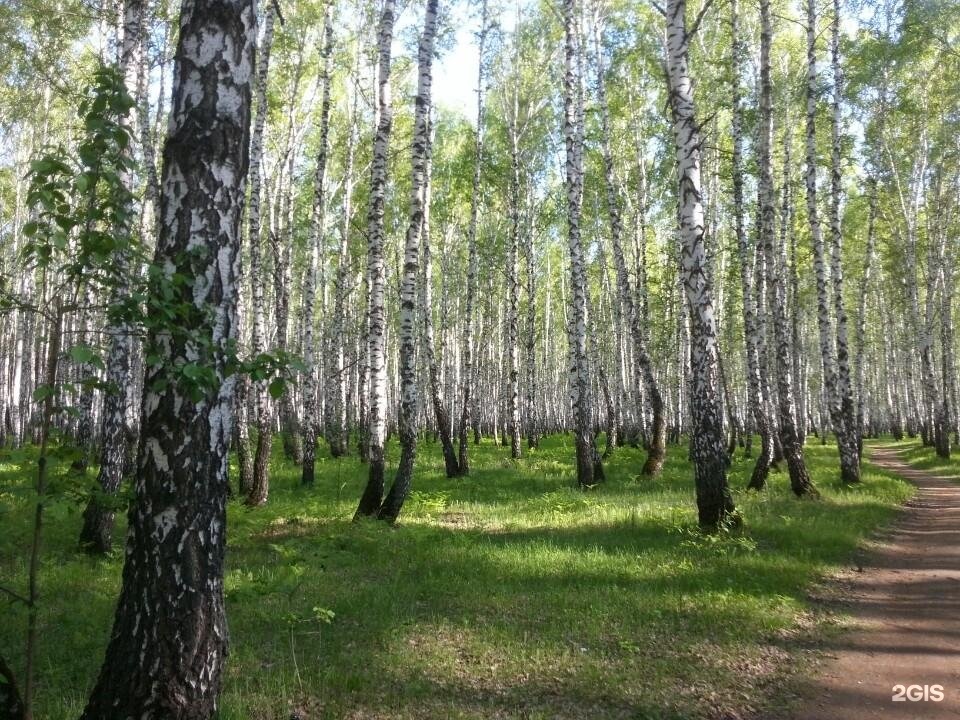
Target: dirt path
906	602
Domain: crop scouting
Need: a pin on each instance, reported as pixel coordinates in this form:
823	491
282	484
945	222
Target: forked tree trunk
169	639
407	359
376	380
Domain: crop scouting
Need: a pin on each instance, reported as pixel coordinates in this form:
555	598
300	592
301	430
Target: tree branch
698	19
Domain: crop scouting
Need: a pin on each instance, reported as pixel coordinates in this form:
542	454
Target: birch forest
474	358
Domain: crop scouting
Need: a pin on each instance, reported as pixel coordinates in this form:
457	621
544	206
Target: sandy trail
907	606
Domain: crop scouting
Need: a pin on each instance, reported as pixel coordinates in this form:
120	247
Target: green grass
507	594
914	453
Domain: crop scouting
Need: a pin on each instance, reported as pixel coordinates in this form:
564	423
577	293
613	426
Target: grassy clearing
508	594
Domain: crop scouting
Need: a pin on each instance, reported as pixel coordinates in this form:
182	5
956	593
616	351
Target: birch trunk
419	197
868	259
376	381
714	501
314	244
847	438
258	343
589	468
753	339
169	639
441	416
643	367
513	283
96	535
800	481
336	419
468	373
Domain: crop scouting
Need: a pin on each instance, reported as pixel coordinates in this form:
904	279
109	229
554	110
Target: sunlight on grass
509	593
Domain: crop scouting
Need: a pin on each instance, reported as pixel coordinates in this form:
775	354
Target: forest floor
905	600
508	594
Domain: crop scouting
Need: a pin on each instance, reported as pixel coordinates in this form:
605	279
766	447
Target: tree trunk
714	501
262	410
588	463
96	535
169	638
752	336
643	366
513	282
467	353
848	440
317	225
376	383
862	310
419	197
440	413
800	481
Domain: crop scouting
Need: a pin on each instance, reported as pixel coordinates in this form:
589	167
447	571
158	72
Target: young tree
169	639
96	535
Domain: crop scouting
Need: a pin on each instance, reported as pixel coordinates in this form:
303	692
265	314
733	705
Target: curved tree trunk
419	197
643	366
440	413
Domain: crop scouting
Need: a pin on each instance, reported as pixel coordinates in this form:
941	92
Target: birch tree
709	453
419	197
260	489
467	352
376	375
169	639
643	366
314	244
589	468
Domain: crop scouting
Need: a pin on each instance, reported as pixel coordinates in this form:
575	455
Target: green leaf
277	386
82	353
42	392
